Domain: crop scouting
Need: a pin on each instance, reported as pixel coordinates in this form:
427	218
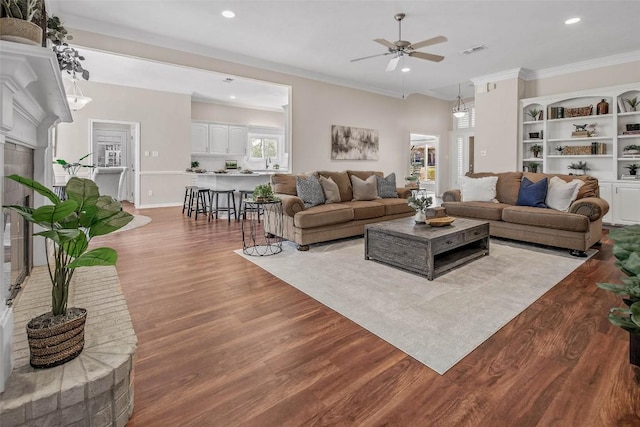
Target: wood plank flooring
222	343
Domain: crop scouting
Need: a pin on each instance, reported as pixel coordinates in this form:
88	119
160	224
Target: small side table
255	241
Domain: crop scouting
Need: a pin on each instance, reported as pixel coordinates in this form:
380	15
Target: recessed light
406	69
572	21
228	14
232	97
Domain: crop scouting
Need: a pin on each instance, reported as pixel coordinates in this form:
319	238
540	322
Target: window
469	120
263	147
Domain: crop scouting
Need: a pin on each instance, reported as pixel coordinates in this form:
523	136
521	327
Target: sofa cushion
533	194
547	218
507	187
364	189
589	189
327	214
343	182
387	186
284	184
478	210
478	189
364	174
395	206
365	209
561	194
309	190
331	190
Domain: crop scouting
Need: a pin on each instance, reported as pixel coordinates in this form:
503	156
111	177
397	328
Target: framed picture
349	143
231	164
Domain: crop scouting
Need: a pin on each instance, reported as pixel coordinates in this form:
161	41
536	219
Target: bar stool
189	192
245	194
202	201
231	204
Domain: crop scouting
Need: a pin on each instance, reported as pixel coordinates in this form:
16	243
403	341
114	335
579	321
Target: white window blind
468	121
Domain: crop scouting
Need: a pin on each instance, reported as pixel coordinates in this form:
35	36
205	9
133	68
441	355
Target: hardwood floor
222	342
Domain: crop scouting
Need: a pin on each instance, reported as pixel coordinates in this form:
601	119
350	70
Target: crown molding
502	75
591	64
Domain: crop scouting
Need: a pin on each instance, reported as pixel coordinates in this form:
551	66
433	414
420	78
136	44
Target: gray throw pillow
309	190
387	186
331	190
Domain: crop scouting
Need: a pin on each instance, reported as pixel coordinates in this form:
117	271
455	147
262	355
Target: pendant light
75	98
460	110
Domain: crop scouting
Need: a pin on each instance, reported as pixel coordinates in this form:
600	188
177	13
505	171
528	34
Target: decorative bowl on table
440	222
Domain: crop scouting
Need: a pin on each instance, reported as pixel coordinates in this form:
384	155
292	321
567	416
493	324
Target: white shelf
533	159
534	141
581	156
637	135
534	122
591	117
582	139
629	113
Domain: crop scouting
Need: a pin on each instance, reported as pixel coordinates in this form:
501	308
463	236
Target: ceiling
317	39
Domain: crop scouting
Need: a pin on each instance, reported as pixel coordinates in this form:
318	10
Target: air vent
228	80
473	49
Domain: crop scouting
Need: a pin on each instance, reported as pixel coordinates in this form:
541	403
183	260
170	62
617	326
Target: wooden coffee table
425	250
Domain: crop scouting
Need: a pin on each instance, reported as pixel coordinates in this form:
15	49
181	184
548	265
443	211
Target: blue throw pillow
533	193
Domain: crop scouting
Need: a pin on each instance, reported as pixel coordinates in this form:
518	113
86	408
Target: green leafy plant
633	168
533	166
631	147
534	113
69	59
559	149
633	103
27	10
536	149
73	168
419	202
263	191
626	249
70	225
581	166
195	164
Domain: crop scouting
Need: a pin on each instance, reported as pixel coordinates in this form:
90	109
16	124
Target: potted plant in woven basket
18	22
68	226
626	249
263	193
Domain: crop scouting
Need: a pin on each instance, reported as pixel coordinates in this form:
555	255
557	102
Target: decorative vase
54	340
634	349
603	107
20	31
420	217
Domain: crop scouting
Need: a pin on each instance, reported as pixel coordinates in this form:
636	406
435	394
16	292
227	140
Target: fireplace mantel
32	100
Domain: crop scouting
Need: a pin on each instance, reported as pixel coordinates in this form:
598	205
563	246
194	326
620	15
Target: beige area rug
438	322
138	221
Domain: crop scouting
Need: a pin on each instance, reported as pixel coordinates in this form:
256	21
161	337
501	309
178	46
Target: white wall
315	107
164	127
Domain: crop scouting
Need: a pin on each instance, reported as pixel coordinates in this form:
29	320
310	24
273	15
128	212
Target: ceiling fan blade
428	42
393	63
386	43
371	56
427	56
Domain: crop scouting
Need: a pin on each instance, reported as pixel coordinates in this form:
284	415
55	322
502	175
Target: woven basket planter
54	344
20	31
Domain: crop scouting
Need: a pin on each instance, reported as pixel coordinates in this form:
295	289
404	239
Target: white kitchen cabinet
218	139
199	138
626	199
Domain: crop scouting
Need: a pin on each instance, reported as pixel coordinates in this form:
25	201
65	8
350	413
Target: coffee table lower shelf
419	249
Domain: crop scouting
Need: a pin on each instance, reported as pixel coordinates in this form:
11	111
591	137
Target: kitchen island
230	180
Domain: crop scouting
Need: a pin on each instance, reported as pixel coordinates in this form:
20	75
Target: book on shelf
598	148
627	177
631	132
556	112
621	106
580	134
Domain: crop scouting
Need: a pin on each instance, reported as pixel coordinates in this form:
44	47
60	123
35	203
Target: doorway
424	162
116	144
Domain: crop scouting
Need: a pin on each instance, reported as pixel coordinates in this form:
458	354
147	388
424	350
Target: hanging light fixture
75	98
460	110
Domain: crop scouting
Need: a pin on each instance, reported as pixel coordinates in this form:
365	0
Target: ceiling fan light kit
401	47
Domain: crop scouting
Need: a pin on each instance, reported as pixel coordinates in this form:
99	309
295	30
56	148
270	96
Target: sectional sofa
346	216
577	228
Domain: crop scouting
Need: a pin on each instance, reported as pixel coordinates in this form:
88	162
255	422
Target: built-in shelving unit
572	128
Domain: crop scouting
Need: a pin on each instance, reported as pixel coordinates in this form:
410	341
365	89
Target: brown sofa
578	229
332	221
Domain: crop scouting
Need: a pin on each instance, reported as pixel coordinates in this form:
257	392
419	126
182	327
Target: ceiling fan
402	47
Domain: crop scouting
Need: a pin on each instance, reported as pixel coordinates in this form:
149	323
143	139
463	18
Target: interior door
111	148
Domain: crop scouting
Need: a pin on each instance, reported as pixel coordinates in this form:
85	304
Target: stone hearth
96	388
